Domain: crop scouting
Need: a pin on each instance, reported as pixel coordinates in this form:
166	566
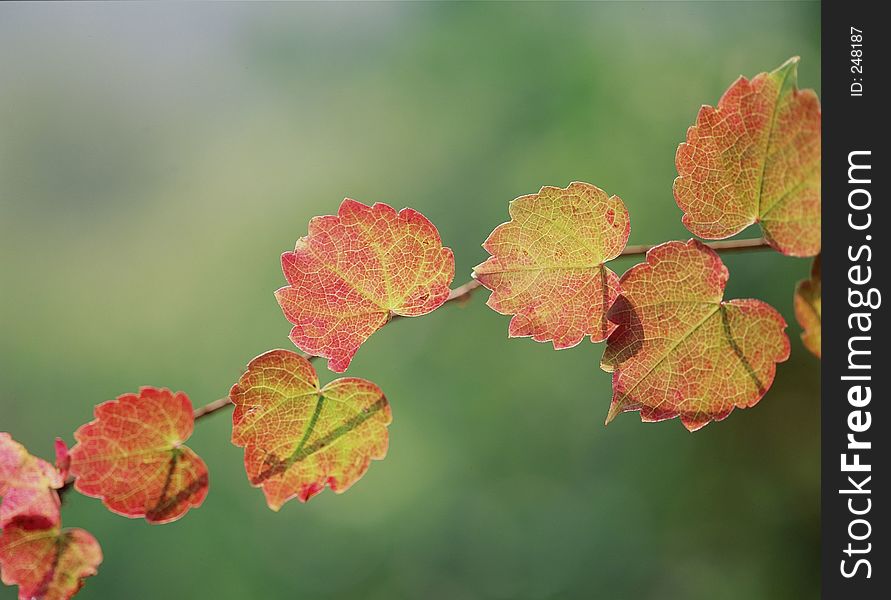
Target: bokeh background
155	160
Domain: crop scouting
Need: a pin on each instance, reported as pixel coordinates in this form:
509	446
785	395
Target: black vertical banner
856	445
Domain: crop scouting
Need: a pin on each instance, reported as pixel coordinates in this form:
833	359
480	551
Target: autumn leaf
27	486
547	264
299	438
357	269
755	159
63	458
808	309
132	456
49	564
44	560
679	349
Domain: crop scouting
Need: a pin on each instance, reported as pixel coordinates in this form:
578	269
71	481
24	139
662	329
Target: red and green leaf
755	159
27	486
132	456
808	309
50	563
357	269
299	437
679	349
547	264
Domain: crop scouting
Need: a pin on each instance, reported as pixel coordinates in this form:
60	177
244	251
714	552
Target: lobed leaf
27	486
357	269
755	159
50	563
808	309
132	456
298	437
679	349
547	264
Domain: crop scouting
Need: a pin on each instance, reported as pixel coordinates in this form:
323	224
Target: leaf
755	159
547	269
679	349
132	456
298	437
356	270
27	486
63	458
47	563
808	309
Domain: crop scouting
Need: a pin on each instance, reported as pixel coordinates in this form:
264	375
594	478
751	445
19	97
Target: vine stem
465	291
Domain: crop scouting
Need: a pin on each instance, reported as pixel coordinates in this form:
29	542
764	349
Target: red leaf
132	456
298	437
357	269
27	486
679	349
808	304
49	564
63	459
755	159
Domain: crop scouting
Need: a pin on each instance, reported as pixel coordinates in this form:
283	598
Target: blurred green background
155	160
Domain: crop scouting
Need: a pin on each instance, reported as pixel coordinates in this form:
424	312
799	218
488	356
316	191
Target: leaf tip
693	424
616	408
349	204
791	63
